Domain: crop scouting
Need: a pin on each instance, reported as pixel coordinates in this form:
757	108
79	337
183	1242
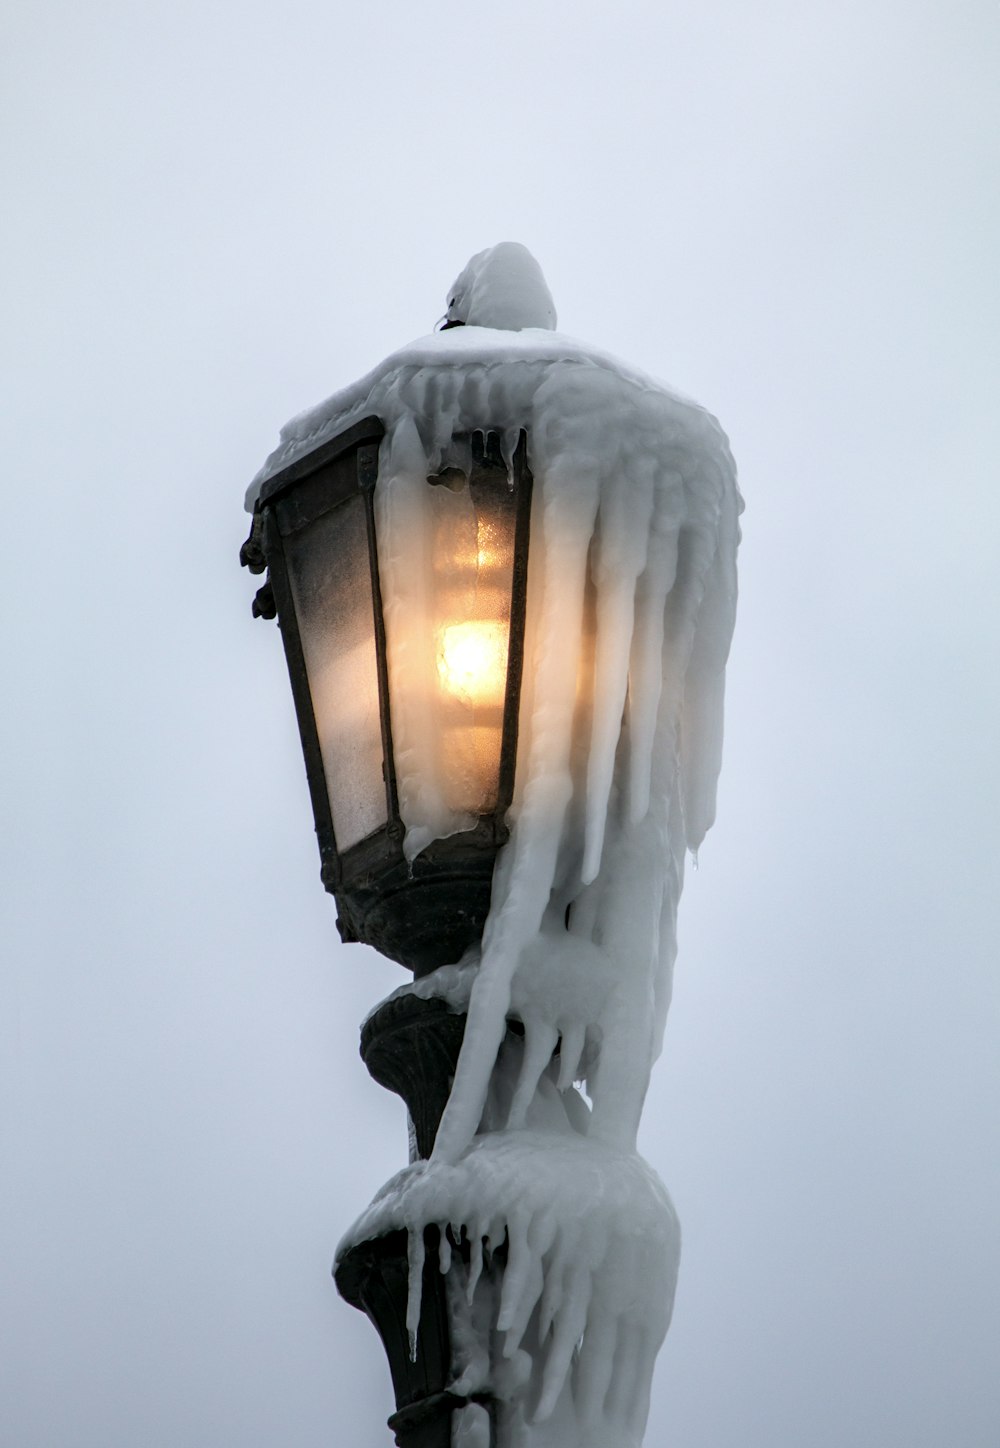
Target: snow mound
502	287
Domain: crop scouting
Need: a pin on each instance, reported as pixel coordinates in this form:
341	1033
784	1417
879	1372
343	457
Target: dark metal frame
423	913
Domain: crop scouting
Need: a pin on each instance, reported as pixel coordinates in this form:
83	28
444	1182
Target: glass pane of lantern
473	555
331	585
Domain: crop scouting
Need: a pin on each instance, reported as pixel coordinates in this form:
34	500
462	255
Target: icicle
645	676
415	1285
444	1250
702	717
570	1051
623	533
540	1042
475	1263
615	611
567	1330
552	1294
666	948
509	439
516	1277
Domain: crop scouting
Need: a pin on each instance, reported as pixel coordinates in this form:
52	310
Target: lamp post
503	570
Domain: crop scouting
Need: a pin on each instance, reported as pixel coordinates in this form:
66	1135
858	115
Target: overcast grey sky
216	214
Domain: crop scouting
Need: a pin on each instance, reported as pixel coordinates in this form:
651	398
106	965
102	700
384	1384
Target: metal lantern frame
423	912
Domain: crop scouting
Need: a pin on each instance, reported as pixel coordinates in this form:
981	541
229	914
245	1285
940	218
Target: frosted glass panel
331	586
472	557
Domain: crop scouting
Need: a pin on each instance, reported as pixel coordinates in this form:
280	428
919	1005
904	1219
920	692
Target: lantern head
422	643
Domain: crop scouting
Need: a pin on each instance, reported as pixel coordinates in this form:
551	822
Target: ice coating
631	604
559	1311
502	287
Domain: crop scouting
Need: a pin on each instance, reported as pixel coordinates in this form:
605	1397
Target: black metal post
410	1046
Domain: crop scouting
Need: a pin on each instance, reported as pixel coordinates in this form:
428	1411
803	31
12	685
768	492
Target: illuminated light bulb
472	662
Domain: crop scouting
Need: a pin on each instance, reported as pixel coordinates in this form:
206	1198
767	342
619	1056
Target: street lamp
511	742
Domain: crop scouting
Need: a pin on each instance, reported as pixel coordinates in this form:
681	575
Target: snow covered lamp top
502	287
394	521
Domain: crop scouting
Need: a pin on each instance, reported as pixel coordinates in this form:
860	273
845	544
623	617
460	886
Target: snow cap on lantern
502	287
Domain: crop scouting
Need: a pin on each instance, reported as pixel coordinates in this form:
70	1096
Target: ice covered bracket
504	568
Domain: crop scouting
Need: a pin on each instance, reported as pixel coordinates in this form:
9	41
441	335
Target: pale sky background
213	216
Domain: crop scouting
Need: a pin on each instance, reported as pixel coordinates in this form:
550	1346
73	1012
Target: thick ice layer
561	1256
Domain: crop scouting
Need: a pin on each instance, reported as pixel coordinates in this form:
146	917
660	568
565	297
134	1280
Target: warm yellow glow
472	662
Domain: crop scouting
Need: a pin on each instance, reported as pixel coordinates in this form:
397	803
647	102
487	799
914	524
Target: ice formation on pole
631	603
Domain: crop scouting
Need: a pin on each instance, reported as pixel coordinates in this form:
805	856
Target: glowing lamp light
472	663
397	703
